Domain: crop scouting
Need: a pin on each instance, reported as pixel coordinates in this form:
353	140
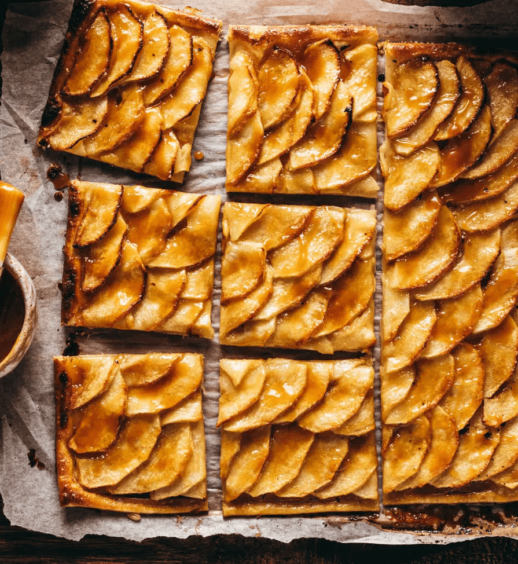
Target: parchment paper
33	37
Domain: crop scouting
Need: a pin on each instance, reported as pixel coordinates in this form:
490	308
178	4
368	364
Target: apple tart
450	276
302	110
298	277
129	85
130	433
140	259
297	437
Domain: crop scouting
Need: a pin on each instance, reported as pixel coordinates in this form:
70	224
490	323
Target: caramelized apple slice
123	119
161	162
325	138
101	258
138	198
396	305
355	336
433	379
407	177
247	463
412	337
362	421
322	63
447	96
243	149
199	282
251	334
187	411
242	268
101	418
79	119
100	205
183	380
322	233
503	406
140	370
505	455
181	205
395	387
155	48
405	231
464	150
261	179
434	258
191	88
410	93
243	90
87	378
358	71
93	59
289	447
405	454
238	217
179	58
499	350
479	252
196	242
279	81
444	444
230	445
300	181
476	448
467	391
127	31
456	319
502	89
184	319
354	161
350	382
133	446
468	106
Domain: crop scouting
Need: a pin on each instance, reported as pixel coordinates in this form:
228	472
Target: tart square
297	437
129	86
302	110
140	259
450	276
298	277
130	433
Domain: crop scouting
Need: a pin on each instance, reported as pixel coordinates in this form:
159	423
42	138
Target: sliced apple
161	162
447	96
325	138
87	378
93	58
456	319
434	377
358	72
243	90
407	177
362	421
406	452
155	48
251	334
238	217
322	233
395	387
288	449
437	254
184	319
357	336
405	231
396	305
242	269
284	383
79	119
505	455
243	149
479	252
100	205
199	282
350	382
179	58
260	179
502	89
468	106
503	406
191	88
124	117
409	95
138	198
300	181
354	161
140	370
412	337
101	258
476	448
230	445
133	446
463	151
181	204
322	63
127	32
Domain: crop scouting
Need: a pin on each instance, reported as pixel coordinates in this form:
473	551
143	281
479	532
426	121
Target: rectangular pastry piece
302	110
139	258
297	437
130	433
450	280
129	85
298	277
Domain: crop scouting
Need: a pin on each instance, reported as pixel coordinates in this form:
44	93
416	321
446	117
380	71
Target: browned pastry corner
129	85
130	433
449	386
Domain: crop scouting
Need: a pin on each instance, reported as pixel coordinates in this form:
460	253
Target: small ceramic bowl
24	340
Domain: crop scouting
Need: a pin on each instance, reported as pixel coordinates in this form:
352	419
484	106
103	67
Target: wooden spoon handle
11	200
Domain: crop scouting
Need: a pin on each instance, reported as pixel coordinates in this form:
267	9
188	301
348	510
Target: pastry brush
11	200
